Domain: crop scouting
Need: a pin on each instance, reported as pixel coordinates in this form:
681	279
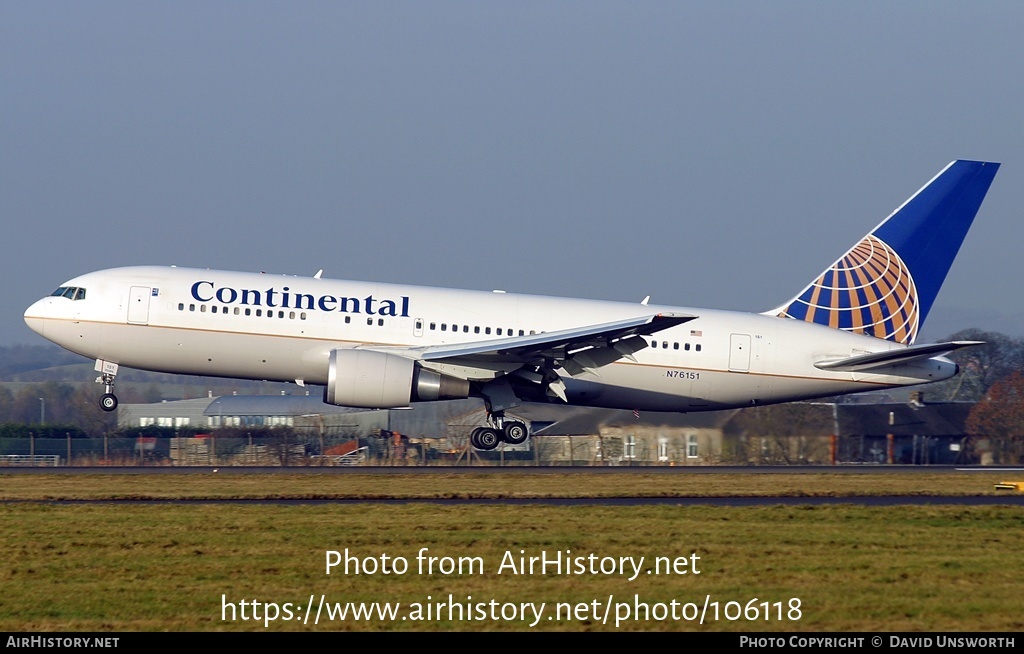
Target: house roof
940	419
583	420
273	405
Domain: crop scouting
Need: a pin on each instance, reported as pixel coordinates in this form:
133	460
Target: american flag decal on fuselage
868	291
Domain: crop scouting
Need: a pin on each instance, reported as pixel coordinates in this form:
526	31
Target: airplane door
138	304
739	353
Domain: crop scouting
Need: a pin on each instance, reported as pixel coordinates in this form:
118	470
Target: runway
727	496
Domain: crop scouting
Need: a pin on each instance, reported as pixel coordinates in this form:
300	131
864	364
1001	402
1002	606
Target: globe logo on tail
868	291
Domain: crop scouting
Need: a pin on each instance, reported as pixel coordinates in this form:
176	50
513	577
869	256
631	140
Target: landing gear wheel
515	432
474	438
108	402
486	439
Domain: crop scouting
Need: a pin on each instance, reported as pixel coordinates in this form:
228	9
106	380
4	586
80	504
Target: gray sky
708	154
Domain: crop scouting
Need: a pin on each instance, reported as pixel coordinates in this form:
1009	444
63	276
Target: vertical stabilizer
886	284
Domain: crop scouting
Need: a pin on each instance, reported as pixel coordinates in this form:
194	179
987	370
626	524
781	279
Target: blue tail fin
886	284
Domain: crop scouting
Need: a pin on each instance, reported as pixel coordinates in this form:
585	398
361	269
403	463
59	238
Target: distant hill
31	364
19	359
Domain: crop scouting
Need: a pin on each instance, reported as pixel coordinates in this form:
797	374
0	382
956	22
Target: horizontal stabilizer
878	360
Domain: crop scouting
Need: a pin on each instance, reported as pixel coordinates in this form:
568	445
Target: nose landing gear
107	370
108	402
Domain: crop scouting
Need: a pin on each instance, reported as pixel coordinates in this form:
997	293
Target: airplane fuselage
284	328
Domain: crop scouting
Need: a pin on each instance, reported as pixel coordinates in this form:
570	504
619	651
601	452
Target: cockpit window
70	292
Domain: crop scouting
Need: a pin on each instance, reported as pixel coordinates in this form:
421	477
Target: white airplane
852	329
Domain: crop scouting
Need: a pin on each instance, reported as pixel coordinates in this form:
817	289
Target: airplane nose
34	317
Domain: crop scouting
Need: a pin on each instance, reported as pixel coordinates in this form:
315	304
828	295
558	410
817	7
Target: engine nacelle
380	380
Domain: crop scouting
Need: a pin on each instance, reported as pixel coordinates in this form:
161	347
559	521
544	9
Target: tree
26	406
1000	418
6	402
795	432
87	413
980	366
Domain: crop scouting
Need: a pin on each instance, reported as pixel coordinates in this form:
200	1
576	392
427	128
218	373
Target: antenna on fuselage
318	273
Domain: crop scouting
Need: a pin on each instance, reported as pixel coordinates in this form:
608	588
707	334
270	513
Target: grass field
234	485
164	566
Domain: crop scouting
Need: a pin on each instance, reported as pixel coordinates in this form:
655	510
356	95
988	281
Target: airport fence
285	449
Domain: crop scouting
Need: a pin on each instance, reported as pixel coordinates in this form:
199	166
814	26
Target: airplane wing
577	349
536	358
527	348
880	360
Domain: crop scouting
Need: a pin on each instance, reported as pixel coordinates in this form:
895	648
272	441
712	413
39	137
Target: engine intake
381	380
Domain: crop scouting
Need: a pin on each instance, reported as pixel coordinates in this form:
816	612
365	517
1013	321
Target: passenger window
698	347
499	331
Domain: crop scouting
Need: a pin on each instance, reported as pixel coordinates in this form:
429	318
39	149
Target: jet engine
381	380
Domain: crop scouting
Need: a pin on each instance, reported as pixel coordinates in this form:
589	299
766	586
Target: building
914	432
438	432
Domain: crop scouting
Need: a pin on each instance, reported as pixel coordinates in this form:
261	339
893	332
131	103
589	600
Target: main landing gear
501	430
107	370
